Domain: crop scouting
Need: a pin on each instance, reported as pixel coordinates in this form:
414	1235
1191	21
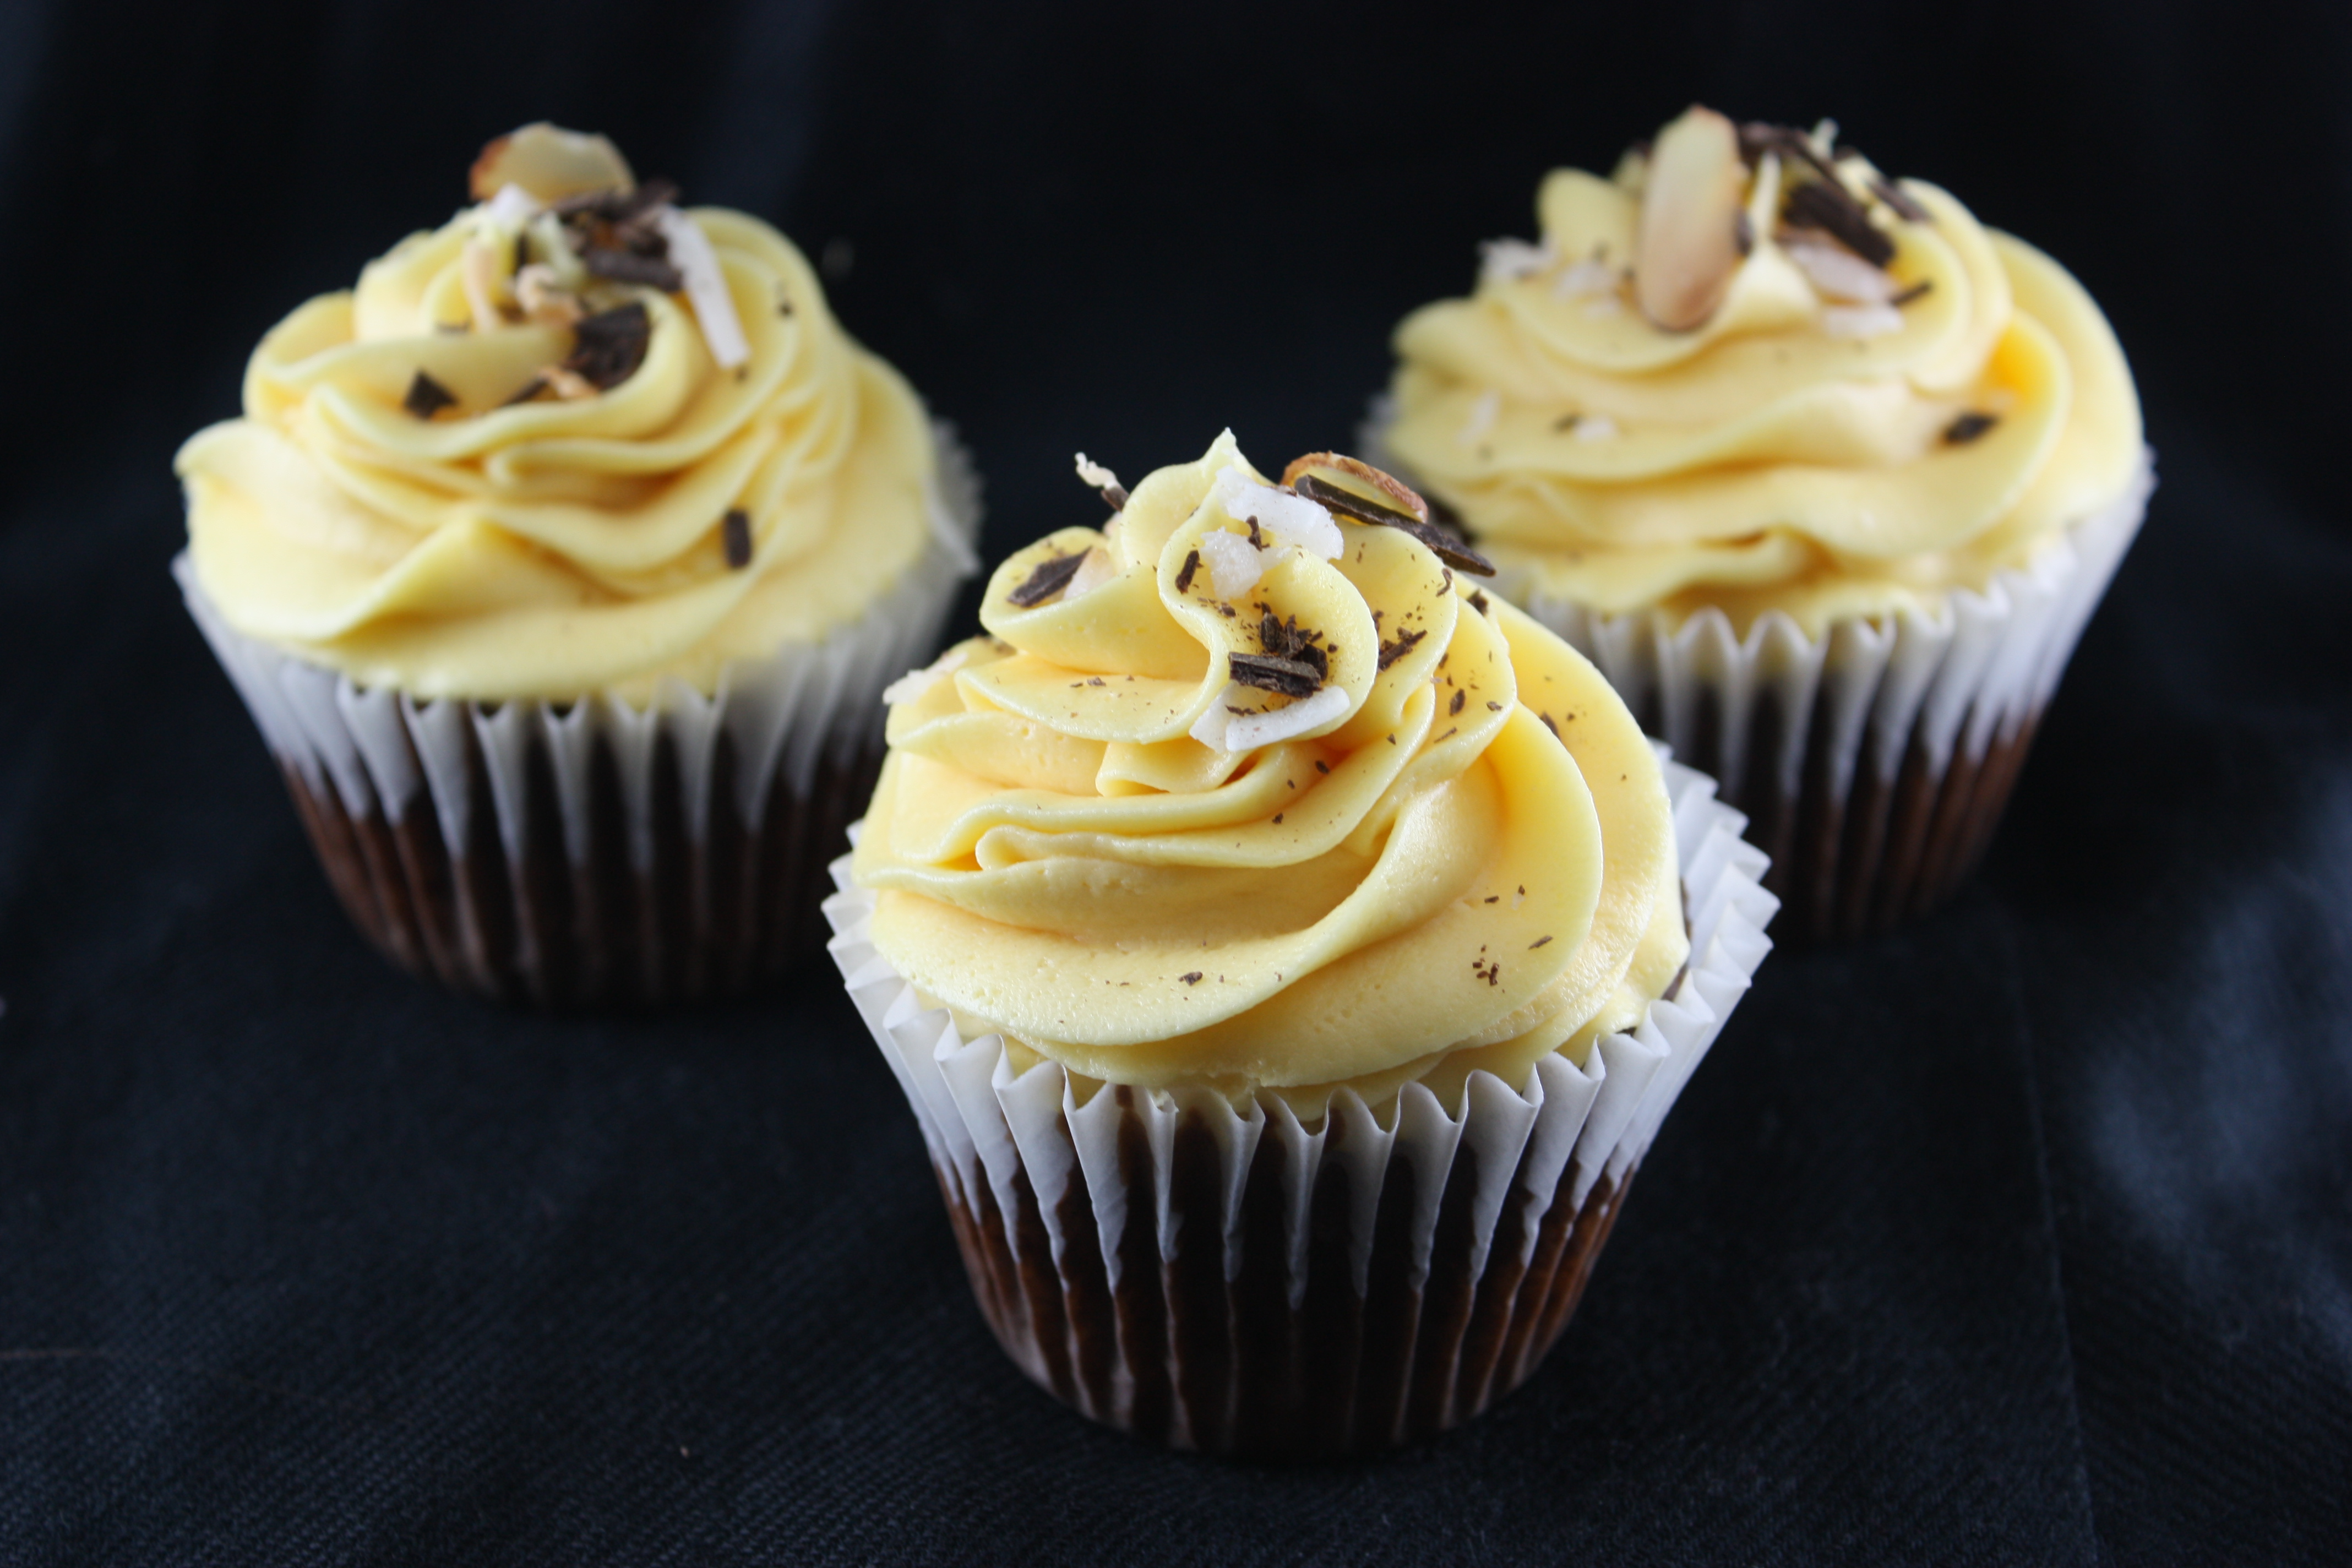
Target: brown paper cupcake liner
1231	1280
594	853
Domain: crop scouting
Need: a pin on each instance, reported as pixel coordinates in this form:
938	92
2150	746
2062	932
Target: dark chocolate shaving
1566	423
1537	942
1756	139
428	396
1047	581
1399	645
1460	697
1442	545
1904	297
1286	640
735	535
526	392
608	347
1478	600
1184	572
1902	205
631	266
1191	979
618	206
1115	496
1825	205
1743	232
1284	676
1257	539
1967	427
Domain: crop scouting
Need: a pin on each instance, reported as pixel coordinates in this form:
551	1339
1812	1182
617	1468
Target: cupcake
1289	950
1825	475
559	563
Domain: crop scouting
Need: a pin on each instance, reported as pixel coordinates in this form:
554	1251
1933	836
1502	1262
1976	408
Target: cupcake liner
1874	761
590	852
1232	1281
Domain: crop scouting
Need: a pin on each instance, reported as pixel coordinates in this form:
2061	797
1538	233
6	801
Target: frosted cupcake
559	563
1825	475
1289	950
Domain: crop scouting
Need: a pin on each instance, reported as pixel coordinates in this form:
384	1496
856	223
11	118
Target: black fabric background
2021	1236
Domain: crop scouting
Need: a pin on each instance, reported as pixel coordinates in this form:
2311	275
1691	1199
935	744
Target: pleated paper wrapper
1874	760
594	852
1236	1282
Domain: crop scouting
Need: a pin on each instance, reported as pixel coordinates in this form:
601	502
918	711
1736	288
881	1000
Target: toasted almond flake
705	287
1837	273
1290	519
1234	564
1483	415
915	682
1093	571
1860	320
550	163
1506	261
1590	276
1385	483
1688	246
1249	732
1596	427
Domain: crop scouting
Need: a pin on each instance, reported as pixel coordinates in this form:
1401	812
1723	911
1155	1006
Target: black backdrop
2024	1236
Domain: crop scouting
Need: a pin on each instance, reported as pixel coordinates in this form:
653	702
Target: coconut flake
705	287
1837	273
1094	474
1860	320
1506	261
1250	730
1093	571
512	207
915	682
1234	564
1483	415
1211	727
1590	276
1596	427
1291	519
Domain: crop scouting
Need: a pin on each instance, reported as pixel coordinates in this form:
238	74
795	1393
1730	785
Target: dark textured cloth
2024	1235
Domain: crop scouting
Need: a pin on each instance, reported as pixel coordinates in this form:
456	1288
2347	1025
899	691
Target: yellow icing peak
504	464
1836	437
1257	796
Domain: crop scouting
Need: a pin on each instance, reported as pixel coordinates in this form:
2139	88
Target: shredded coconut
1234	564
1590	276
1483	415
1838	274
915	682
512	207
1210	728
1093	571
1595	427
706	288
1291	519
1503	260
1094	474
1860	320
1250	730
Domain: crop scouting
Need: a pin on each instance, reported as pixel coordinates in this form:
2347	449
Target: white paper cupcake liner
1235	1282
1874	761
592	851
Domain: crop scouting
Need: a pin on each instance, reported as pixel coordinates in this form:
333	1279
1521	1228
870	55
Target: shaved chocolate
428	396
1399	645
608	347
1115	496
1537	942
1967	427
1191	979
526	392
1903	206
1826	205
1566	423
1478	600
1460	697
1286	640
1321	767
631	266
1047	581
1184	574
1284	676
617	206
1743	232
1904	297
735	535
1442	545
1257	540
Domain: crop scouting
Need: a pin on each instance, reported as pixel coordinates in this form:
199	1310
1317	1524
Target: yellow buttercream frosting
566	544
1812	448
1454	852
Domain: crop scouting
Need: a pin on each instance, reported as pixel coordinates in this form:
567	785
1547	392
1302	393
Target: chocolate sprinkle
1184	574
1905	296
1321	767
1903	207
1285	677
1398	647
735	533
428	396
1047	581
629	267
1828	205
608	347
1537	942
1967	427
1444	545
1460	697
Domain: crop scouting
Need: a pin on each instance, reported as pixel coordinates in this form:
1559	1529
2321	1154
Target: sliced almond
552	163
1688	243
1357	469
